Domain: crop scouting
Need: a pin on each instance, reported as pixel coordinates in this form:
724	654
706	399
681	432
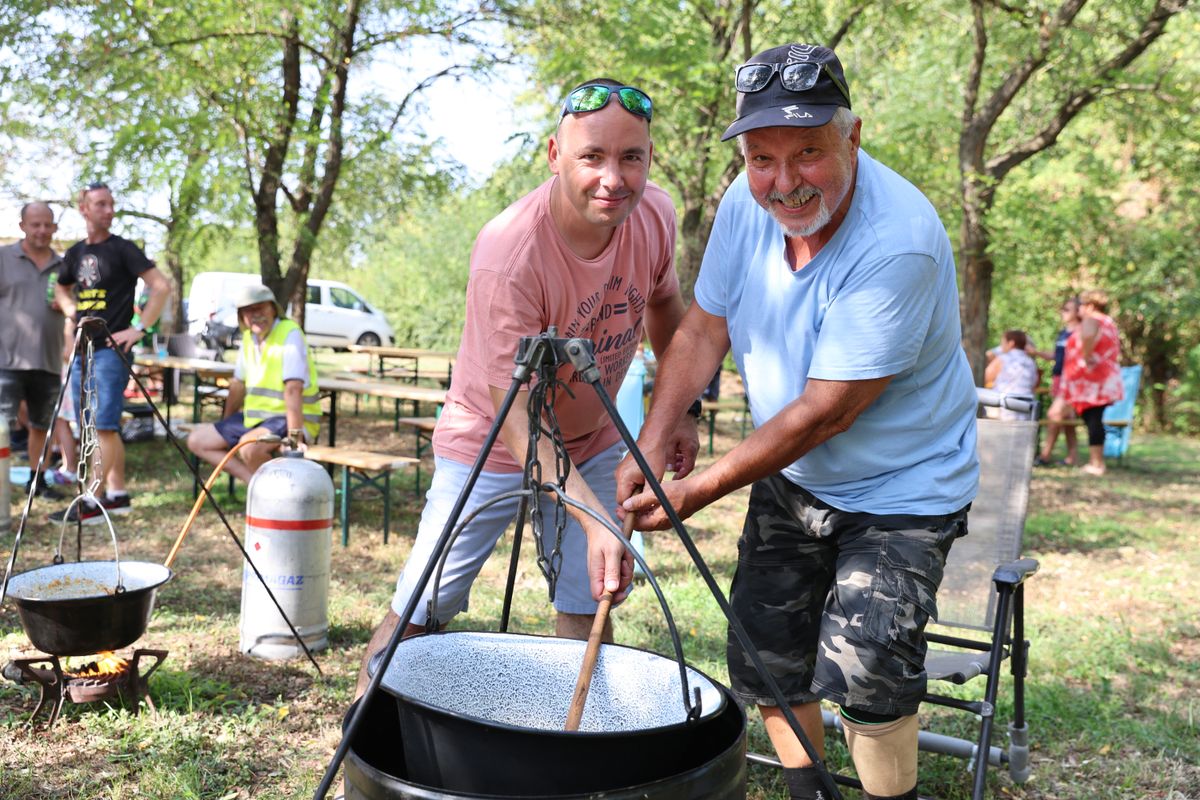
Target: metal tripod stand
543	355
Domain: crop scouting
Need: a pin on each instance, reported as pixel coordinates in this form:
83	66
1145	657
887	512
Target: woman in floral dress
1092	372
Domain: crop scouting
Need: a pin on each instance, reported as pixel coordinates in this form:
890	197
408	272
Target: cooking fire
103	676
104	664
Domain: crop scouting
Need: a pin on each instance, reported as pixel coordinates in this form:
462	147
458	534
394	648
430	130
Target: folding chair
1118	418
983	591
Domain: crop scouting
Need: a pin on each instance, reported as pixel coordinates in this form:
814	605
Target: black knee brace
864	717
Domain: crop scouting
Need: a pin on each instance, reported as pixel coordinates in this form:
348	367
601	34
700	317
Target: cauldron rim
705	714
15	587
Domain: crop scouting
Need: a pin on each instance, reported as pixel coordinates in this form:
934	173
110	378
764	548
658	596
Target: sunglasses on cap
799	77
595	96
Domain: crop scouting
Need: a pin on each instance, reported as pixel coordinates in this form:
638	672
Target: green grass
1113	692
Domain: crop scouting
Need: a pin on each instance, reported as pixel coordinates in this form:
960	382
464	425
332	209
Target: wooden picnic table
199	368
710	408
411	355
204	366
388	390
328	386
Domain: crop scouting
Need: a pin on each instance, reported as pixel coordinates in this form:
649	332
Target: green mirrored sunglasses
595	96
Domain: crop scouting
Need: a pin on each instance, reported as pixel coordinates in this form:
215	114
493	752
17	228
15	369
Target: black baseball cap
771	104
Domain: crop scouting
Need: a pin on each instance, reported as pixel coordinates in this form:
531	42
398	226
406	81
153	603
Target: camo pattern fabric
836	602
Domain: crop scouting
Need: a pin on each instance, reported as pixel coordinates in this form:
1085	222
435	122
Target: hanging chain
89	439
544	422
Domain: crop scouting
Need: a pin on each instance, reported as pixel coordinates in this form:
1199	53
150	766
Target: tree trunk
175	269
298	296
693	235
293	287
695	225
1156	378
266	194
976	268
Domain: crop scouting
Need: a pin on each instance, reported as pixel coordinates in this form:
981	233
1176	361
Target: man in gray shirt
31	329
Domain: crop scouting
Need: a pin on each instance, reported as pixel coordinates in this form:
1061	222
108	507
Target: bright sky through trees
474	120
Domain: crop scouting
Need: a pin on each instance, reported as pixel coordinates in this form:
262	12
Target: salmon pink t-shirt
524	278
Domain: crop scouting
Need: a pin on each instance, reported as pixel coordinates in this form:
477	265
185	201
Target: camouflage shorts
836	602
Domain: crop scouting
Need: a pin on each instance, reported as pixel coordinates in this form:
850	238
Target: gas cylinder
289	524
5	478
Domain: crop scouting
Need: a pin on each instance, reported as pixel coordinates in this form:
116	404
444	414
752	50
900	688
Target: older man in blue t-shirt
832	279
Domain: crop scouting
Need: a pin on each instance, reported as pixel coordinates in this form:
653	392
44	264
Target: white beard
818	222
822	215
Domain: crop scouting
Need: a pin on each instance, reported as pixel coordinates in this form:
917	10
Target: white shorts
573	594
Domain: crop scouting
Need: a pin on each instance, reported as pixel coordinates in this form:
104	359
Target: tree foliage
258	94
1031	72
977	104
418	265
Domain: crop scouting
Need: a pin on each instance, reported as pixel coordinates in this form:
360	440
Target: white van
335	315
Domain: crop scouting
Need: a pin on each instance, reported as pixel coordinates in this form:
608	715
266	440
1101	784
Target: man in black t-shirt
98	279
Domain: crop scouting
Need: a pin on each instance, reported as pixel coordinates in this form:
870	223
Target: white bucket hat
253	294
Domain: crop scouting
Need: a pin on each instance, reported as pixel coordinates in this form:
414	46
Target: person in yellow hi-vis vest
274	388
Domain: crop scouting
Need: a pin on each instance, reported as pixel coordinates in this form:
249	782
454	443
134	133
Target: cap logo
800	52
794	112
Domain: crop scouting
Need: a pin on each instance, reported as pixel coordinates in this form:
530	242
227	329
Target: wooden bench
360	469
439	376
710	408
352	375
399	374
211	395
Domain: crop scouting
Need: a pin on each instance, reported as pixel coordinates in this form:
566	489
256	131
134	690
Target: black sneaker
118	505
84	510
44	489
91	514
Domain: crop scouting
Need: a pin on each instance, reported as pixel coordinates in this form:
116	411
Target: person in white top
1013	370
260	314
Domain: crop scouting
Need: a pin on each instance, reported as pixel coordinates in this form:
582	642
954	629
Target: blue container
629	396
632	409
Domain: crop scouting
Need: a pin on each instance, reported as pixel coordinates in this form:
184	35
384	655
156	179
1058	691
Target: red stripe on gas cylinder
290	524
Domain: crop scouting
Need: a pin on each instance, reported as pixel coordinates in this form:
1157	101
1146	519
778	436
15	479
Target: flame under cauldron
103	665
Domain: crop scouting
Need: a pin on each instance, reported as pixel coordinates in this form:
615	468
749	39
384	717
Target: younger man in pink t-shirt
590	251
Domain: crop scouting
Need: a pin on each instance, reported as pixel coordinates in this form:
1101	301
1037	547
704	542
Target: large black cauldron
483	713
714	769
81	607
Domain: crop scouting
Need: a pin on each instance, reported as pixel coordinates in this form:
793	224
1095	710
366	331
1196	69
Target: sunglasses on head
798	77
595	96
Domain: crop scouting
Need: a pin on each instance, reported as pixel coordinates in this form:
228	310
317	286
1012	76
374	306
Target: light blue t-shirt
879	299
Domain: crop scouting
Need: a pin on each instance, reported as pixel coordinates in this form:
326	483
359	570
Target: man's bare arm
700	342
825	409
